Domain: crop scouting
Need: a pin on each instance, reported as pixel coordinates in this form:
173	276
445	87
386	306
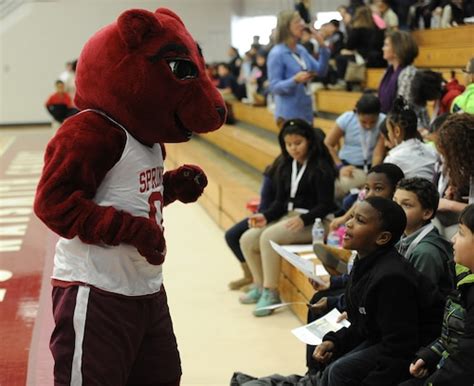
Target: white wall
38	38
269	7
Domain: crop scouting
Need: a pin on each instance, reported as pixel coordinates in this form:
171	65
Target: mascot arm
76	161
185	184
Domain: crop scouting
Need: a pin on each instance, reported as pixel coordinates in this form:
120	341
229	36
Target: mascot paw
153	256
152	245
189	182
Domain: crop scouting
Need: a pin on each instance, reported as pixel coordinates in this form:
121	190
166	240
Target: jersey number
155	214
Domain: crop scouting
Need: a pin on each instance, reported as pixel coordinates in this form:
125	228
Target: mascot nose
221	111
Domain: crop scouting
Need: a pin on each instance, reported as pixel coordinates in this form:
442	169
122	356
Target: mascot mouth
186	132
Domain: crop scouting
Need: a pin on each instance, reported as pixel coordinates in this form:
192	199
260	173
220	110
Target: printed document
314	332
307	267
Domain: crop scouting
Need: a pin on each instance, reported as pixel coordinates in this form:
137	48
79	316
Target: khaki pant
344	185
263	261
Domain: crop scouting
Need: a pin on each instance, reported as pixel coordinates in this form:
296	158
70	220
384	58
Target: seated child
362	145
414	157
381	181
449	360
59	104
305	191
465	101
421	244
391	306
455	142
233	234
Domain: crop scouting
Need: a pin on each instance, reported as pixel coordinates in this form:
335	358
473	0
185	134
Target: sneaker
268	298
246	288
252	296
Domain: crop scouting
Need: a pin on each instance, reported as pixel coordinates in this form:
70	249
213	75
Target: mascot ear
136	25
166	11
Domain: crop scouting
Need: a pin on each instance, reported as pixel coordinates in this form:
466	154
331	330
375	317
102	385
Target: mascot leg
102	338
157	362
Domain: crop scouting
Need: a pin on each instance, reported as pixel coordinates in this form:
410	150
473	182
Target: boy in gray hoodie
421	243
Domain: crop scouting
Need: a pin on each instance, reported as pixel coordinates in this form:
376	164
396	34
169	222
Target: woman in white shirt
409	152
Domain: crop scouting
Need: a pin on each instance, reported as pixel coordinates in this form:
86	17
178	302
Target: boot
246	280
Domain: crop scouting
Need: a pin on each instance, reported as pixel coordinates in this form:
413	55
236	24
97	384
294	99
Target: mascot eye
183	69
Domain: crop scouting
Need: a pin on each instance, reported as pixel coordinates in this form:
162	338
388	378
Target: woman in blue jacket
291	68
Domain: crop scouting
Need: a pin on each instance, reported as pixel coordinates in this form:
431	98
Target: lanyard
295	181
300	61
471	190
428	228
304	67
442	184
365	142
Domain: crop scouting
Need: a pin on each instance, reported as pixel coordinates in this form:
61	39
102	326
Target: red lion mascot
141	82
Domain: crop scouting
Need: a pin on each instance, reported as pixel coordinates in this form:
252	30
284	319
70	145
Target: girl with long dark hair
305	179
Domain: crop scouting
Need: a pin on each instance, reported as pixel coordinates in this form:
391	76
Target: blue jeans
232	237
351	368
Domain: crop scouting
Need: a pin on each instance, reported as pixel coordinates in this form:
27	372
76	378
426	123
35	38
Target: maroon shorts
106	339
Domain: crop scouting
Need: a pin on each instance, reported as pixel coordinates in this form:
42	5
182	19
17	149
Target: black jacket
315	193
453	351
391	305
368	42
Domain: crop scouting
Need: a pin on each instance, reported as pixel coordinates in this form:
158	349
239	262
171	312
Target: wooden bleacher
244	145
453	37
444	56
442	50
229	185
262	118
234	156
336	102
374	75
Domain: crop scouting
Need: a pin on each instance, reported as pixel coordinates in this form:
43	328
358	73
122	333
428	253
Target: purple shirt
388	88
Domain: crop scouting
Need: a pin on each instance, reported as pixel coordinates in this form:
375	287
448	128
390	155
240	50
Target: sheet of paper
308	256
307	267
320	270
314	332
299	248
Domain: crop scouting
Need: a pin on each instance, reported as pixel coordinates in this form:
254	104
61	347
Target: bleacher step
255	150
231	184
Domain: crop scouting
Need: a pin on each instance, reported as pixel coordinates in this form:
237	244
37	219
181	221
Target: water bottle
318	231
333	239
350	263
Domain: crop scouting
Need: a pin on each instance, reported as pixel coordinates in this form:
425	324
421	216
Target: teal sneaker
252	296
268	298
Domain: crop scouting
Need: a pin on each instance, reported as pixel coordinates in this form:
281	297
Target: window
325	17
243	29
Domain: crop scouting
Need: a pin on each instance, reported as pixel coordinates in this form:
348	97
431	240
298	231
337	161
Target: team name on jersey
150	179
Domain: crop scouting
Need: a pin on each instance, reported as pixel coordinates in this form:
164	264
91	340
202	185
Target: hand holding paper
323	352
314	332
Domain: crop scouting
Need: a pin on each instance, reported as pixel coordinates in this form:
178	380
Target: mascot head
147	72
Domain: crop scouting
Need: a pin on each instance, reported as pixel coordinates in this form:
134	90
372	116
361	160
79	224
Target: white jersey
133	185
415	158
